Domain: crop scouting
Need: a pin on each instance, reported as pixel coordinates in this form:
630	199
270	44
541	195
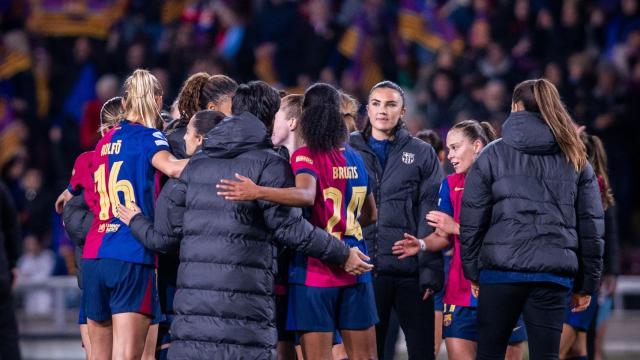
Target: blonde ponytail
140	90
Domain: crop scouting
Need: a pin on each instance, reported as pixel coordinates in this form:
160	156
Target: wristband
423	245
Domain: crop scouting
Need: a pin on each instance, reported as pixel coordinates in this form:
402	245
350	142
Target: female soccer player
200	91
573	343
331	178
118	272
405	174
531	225
465	140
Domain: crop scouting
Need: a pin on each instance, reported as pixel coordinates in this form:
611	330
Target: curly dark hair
200	89
257	98
321	124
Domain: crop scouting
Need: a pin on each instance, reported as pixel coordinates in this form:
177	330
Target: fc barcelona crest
408	157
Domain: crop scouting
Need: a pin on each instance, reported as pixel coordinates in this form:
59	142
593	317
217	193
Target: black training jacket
405	191
224	305
525	208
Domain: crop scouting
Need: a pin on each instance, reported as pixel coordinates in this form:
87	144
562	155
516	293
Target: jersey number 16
109	191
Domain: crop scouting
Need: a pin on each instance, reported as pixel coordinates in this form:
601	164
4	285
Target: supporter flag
357	46
92	18
423	23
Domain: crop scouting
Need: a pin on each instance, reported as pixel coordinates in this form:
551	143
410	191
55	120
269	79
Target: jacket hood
236	135
529	133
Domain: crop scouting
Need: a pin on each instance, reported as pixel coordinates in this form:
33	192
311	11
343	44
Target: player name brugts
345	172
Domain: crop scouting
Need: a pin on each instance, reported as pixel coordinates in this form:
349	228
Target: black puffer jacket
77	218
405	191
175	136
525	208
224	305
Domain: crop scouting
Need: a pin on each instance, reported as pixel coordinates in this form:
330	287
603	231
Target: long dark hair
366	132
542	97
598	159
321	124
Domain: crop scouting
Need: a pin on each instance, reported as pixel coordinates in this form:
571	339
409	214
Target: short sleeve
81	170
302	162
444	199
152	142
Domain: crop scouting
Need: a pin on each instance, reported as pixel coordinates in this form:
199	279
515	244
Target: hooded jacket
526	209
405	190
224	306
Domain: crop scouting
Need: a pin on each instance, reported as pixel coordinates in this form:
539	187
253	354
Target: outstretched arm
302	195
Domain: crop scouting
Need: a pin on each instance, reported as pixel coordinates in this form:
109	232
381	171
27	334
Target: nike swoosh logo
516	328
458	189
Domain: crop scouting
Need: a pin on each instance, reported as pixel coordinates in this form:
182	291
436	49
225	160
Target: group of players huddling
255	226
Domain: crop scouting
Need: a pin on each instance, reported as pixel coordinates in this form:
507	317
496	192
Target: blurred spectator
455	59
35	266
106	88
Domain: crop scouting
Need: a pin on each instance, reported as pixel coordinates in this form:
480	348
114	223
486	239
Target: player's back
341	190
123	174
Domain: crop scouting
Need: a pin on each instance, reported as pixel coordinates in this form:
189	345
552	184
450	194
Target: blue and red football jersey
122	173
342	185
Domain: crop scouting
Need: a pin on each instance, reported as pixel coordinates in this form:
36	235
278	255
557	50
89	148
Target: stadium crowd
456	60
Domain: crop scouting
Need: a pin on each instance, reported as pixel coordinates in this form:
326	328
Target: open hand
356	262
243	190
406	247
125	214
443	222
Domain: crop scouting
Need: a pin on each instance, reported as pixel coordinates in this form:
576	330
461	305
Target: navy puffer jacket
525	208
224	305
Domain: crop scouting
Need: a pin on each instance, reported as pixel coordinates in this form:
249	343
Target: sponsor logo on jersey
302	158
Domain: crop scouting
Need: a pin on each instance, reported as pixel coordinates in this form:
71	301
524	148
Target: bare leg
84	333
568	337
579	347
317	345
515	351
129	335
150	344
101	339
360	344
461	349
338	352
437	330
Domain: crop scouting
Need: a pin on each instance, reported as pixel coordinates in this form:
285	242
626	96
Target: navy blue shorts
461	322
581	320
281	320
114	287
334	308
